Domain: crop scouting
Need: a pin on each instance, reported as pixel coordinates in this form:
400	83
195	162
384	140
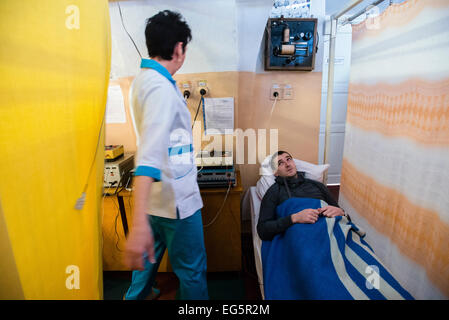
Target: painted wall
227	51
214	34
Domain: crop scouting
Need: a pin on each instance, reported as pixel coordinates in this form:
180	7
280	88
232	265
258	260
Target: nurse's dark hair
163	31
274	156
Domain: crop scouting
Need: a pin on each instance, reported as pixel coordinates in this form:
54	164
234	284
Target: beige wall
297	120
122	133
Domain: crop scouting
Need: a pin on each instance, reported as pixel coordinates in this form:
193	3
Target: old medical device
215	169
118	171
291	44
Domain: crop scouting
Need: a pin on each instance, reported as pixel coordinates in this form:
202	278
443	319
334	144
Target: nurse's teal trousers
184	240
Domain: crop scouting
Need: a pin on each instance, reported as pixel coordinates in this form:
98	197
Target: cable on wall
198	109
123	24
274	104
82	199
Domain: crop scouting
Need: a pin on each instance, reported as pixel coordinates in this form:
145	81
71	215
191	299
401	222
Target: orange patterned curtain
395	174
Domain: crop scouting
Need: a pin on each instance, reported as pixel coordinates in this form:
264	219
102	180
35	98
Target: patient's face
286	166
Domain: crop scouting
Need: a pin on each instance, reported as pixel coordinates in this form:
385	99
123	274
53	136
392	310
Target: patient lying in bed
311	249
290	183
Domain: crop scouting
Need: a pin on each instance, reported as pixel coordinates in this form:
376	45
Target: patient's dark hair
163	31
274	156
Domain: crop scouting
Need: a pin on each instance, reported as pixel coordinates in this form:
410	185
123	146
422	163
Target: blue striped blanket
327	260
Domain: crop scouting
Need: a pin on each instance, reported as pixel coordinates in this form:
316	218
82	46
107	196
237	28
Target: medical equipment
118	171
291	44
113	152
215	169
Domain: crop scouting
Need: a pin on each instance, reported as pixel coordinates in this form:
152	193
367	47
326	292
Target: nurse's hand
140	241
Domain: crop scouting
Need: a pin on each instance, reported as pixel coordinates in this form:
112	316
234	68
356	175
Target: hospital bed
251	207
252	200
304	285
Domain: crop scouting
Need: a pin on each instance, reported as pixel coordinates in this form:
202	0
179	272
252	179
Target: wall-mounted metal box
291	44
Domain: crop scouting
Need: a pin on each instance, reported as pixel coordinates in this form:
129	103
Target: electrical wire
123	24
120	182
274	104
197	110
80	201
116	233
116	192
115	225
127	182
102	219
221	208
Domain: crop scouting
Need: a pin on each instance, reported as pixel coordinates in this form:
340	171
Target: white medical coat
165	144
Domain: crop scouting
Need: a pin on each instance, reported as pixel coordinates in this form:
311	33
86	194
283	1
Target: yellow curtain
54	72
395	174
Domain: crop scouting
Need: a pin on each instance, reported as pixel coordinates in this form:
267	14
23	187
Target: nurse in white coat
167	201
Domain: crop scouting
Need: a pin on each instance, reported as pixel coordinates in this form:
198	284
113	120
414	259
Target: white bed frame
254	206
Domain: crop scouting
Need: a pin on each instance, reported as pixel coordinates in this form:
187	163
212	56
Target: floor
221	285
236	285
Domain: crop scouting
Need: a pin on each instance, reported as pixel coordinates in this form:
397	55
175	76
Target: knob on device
308	36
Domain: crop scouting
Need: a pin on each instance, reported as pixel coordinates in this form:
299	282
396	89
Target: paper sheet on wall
218	115
115	107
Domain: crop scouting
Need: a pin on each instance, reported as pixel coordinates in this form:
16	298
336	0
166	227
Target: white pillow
267	179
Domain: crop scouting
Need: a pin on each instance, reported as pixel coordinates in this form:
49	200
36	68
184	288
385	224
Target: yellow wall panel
54	70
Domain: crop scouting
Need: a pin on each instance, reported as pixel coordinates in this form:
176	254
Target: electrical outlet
202	85
186	88
276	89
288	92
185	85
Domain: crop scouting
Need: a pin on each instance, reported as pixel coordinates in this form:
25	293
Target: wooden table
223	237
222	233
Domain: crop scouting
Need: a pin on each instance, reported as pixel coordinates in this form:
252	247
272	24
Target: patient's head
283	164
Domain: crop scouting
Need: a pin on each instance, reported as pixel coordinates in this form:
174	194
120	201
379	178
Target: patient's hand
305	216
331	211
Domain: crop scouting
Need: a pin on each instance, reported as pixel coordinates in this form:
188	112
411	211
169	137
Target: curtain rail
353	17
